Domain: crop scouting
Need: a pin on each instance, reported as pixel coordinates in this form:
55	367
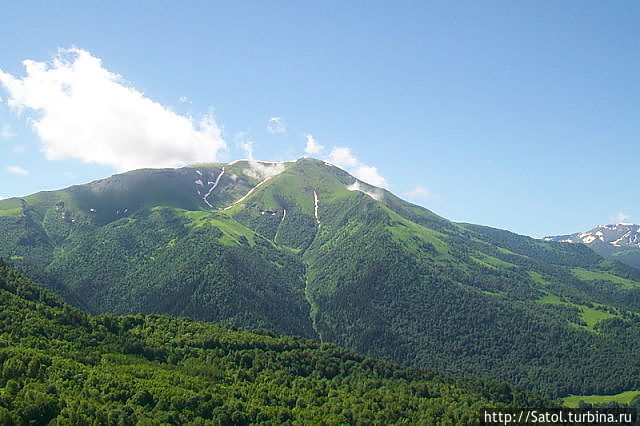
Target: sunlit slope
305	248
162	251
397	281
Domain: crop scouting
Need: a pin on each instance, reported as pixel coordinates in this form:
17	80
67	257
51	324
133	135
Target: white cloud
419	192
87	112
260	170
276	125
19	149
342	157
17	170
69	175
372	192
6	132
312	147
619	218
370	175
1	197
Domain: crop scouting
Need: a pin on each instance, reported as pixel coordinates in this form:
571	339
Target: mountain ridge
620	242
305	248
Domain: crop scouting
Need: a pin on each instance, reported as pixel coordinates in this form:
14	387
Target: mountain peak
620	241
617	235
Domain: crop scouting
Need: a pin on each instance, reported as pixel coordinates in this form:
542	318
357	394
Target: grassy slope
573	401
626	255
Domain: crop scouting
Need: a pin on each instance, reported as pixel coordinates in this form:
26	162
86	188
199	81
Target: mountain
619	242
63	366
304	248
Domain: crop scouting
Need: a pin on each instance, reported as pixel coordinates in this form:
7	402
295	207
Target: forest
59	365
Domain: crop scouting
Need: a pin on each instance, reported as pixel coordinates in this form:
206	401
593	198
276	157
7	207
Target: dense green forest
59	365
310	251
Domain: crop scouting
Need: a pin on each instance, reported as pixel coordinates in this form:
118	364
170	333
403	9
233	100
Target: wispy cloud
88	113
312	147
19	149
17	170
419	192
257	170
6	132
375	193
343	157
276	125
619	218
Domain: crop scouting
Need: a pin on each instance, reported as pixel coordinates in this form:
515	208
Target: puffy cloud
341	156
312	147
620	218
370	175
419	192
87	112
17	170
276	125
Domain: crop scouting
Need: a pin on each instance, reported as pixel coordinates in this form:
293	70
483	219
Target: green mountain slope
627	255
60	365
304	248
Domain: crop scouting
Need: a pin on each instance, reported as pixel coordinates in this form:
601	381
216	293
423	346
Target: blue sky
519	115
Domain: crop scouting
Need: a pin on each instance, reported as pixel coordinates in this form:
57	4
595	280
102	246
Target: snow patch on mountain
315	211
618	235
214	184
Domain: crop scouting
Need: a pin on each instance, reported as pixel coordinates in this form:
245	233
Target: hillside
304	248
60	364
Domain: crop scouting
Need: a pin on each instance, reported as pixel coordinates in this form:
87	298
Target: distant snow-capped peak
618	235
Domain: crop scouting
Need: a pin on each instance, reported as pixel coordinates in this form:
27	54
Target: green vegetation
535	276
587	275
574	401
592	316
59	365
589	316
374	274
11	212
233	232
628	255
